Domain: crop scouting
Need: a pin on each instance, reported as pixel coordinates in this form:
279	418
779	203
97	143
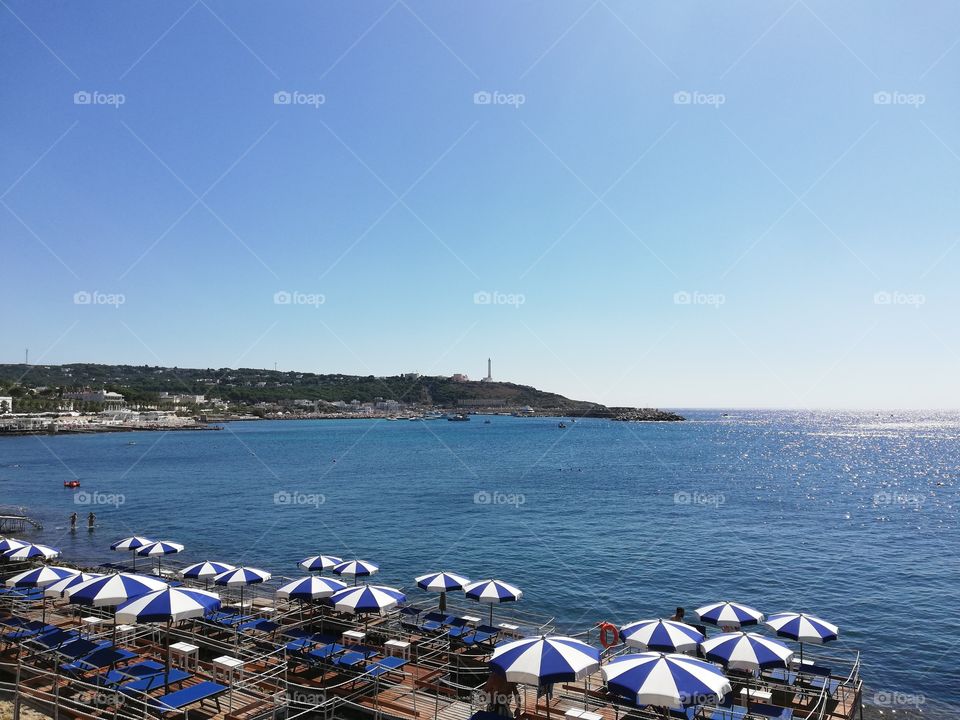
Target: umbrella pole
166	678
491	614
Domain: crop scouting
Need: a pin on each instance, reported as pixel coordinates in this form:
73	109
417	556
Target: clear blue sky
812	223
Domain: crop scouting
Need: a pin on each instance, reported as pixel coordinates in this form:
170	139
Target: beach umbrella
665	680
746	651
366	599
168	605
320	563
31	552
356	568
241	577
663	635
492	592
158	549
9	543
130	544
729	614
205	570
544	660
41	577
310	588
442	582
58	588
803	628
112	590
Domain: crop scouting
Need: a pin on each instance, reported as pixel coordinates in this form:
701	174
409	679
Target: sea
852	516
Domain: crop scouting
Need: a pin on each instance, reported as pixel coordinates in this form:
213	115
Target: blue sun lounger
136	671
385	666
100	658
153	682
180	699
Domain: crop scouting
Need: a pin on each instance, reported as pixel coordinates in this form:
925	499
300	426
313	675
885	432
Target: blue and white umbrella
41	576
131	544
112	589
205	570
319	563
492	592
543	660
158	549
746	651
729	614
367	599
442	582
9	543
356	568
168	606
803	628
241	577
662	635
672	681
32	552
310	588
60	587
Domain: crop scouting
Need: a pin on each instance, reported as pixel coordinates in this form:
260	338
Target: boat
486	422
561	425
458	417
71	483
414	419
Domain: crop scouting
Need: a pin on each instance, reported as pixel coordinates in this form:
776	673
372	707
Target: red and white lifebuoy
609	635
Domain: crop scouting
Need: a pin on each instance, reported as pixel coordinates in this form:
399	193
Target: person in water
73	521
91	521
678	615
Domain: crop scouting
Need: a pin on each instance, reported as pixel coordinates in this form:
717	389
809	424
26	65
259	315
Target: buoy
609	635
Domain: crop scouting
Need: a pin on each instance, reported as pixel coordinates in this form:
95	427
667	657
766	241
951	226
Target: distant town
104	398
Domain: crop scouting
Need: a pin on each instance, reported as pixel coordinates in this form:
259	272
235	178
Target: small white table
755	695
509	630
92	623
399	647
125	633
351	637
471	620
226	665
185	653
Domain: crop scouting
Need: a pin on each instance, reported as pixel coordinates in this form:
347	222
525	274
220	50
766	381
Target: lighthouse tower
489	377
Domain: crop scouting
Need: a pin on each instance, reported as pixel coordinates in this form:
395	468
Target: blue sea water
852	516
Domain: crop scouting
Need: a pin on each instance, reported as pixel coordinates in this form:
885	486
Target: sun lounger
154	682
348	659
483	634
101	658
28	630
79	647
130	672
56	638
434	621
180	699
385	666
261	625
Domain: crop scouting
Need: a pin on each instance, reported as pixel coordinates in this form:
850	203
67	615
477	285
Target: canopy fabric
356	568
729	614
9	543
367	599
41	576
537	661
205	570
662	635
160	547
804	628
168	605
133	542
31	551
58	588
442	581
310	588
113	589
492	591
241	576
665	680
320	562
746	651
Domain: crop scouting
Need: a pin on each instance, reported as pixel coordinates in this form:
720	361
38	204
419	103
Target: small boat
486	422
71	483
458	417
414	419
561	425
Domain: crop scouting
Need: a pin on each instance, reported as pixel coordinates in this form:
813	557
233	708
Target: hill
248	386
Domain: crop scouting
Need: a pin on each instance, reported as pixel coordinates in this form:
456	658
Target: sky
670	204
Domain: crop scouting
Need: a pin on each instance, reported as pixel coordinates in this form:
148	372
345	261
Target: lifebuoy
609	635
